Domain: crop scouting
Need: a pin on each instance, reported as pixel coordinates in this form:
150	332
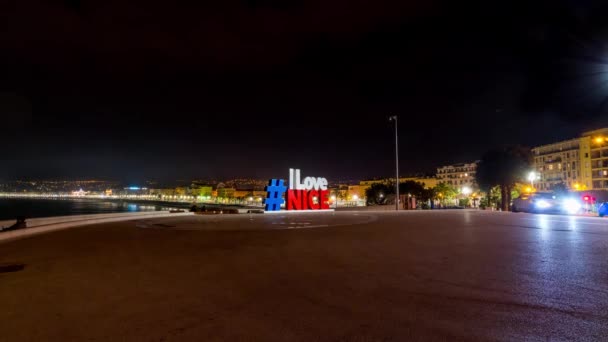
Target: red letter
294	200
311	197
324	199
304	199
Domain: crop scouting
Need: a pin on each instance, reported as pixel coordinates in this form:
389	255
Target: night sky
131	90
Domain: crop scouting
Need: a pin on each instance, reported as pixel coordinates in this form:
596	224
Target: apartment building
459	175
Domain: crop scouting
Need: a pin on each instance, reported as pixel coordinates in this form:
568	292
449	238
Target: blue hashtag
274	195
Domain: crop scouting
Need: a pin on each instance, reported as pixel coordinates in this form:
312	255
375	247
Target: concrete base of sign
299	211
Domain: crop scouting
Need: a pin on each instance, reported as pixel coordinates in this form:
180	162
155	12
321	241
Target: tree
504	167
413	188
444	192
377	193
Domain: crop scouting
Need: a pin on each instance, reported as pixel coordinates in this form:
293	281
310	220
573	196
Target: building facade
562	162
459	175
597	142
580	163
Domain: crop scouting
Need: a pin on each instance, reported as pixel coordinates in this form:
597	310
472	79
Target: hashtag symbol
274	195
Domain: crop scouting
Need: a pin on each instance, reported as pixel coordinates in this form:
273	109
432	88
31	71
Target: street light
532	176
466	191
394	118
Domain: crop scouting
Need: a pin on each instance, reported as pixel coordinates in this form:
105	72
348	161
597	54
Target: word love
312	194
310	183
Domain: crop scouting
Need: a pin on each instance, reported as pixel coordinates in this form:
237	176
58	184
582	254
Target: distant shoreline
178	205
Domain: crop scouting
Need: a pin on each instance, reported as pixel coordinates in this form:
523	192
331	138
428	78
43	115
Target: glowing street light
532	176
466	191
355	197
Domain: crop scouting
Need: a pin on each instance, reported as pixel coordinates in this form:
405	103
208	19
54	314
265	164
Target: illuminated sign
308	194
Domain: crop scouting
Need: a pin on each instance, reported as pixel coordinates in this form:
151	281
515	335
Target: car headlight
542	204
571	205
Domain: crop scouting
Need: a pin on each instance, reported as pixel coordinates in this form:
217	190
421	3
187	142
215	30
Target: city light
355	197
571	205
542	204
333	198
466	191
532	176
528	189
599	140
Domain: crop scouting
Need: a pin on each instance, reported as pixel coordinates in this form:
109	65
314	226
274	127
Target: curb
51	224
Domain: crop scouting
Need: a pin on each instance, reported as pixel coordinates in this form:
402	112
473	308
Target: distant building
579	163
226	192
134	190
201	190
181	191
356	192
162	192
428	182
459	175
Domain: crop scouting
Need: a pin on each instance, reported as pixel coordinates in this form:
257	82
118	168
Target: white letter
322	183
308	183
291	179
298	185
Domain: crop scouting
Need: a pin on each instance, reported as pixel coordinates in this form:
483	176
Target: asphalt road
345	276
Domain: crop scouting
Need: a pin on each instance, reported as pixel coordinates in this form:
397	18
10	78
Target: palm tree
504	167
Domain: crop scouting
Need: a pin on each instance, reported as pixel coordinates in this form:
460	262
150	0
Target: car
603	209
535	202
546	202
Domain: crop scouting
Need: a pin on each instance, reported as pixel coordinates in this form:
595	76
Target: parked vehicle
603	209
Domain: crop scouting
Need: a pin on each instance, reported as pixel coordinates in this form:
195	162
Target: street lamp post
394	118
531	177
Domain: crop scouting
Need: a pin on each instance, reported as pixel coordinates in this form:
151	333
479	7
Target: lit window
550	166
605	172
559	166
